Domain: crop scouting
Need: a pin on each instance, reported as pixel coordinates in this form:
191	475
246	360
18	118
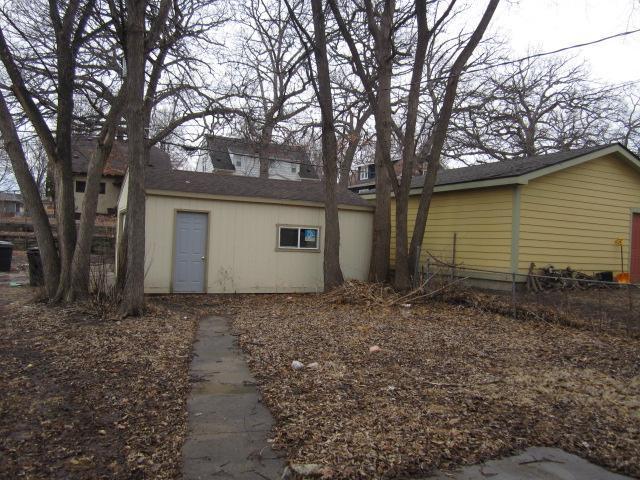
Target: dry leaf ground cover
450	385
86	398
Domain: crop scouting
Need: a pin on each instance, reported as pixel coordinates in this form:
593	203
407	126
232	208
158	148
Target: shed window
301	238
364	173
103	188
80	186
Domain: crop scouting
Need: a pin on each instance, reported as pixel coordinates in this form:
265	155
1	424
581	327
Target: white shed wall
242	255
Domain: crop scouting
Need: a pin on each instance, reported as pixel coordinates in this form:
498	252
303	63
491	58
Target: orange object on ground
623	277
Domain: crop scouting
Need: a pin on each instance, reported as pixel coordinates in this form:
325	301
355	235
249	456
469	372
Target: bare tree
332	271
31	195
433	155
627	120
400	37
321	81
533	107
54	78
6	180
133	293
268	72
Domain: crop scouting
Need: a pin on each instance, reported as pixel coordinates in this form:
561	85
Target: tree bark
65	199
265	139
81	262
133	294
31	195
331	264
440	130
379	267
402	280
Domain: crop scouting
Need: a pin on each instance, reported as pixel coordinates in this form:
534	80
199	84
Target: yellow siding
572	217
481	220
242	255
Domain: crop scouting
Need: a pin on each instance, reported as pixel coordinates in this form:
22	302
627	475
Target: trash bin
36	276
6	251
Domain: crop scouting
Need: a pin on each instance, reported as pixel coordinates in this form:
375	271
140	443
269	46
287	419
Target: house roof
505	168
518	170
220	148
10	197
217	184
116	164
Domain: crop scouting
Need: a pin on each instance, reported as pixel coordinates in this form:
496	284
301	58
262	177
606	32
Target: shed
217	233
561	209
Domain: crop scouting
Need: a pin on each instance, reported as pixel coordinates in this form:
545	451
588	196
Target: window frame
315	249
78	183
364	172
102	188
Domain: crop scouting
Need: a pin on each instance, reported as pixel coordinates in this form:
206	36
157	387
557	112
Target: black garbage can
6	251
36	276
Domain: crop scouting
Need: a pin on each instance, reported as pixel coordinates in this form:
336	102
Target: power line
532	56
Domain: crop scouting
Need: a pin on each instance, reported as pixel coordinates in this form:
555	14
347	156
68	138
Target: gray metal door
189	262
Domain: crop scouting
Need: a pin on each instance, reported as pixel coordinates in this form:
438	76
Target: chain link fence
563	296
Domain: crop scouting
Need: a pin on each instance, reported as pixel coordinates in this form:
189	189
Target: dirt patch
86	398
449	385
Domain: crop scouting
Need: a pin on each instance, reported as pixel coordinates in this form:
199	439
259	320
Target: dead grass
451	385
86	398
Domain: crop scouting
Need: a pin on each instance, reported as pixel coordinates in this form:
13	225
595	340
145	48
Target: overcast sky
551	24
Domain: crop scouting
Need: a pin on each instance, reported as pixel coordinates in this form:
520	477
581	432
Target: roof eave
527	177
239	198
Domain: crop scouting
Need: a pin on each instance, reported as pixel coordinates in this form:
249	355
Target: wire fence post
513	293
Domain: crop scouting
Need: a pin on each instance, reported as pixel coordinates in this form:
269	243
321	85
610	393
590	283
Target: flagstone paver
228	424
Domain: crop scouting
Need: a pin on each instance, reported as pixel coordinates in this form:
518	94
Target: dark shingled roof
241	186
116	164
220	147
506	168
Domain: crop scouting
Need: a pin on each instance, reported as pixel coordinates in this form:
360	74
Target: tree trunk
81	263
65	199
331	265
403	274
440	130
265	139
66	223
379	268
121	256
133	294
32	200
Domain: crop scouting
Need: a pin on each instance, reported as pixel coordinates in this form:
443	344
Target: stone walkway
537	463
228	425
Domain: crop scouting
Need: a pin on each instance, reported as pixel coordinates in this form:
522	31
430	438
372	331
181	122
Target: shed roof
220	148
518	170
116	164
506	168
241	186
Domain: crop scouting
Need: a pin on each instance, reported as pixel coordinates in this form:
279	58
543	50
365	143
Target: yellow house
112	174
216	233
562	209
